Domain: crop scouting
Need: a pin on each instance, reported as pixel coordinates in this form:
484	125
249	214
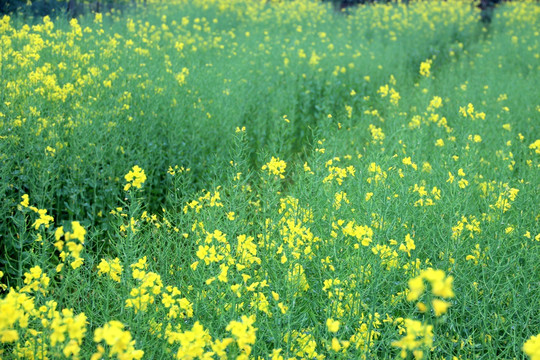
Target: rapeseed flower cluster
532	347
441	286
243	333
119	342
73	242
112	268
425	68
418	338
43	219
276	167
135	177
150	285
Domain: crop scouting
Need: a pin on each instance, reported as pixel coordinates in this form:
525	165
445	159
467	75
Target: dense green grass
391	170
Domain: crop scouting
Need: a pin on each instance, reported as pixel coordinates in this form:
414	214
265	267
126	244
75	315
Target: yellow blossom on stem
332	325
243	332
275	167
418	336
440	306
25	200
535	146
425	68
136	177
112	268
531	347
119	341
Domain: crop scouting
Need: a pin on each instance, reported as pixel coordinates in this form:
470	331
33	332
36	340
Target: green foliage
328	159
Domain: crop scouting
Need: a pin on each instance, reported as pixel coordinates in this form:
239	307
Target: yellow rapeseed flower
119	341
531	347
535	146
425	68
112	268
25	200
332	325
440	306
136	177
275	167
243	332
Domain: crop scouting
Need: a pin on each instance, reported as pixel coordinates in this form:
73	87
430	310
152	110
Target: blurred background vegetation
72	8
75	8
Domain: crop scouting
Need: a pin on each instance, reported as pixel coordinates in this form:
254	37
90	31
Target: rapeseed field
217	179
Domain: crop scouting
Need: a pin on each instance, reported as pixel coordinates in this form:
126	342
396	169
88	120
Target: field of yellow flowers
244	179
